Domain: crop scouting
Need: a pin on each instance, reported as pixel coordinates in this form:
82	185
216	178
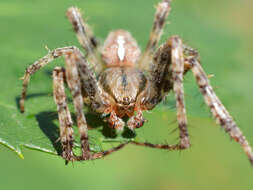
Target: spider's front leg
166	73
37	65
65	120
74	63
77	74
218	110
82	81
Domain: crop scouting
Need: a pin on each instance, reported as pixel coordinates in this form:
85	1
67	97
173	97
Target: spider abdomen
120	49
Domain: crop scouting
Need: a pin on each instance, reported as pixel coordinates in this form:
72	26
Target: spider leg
218	110
65	120
77	73
66	131
162	12
73	59
87	76
38	65
85	37
167	74
102	154
177	67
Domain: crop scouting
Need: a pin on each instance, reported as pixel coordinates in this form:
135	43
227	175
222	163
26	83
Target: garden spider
118	81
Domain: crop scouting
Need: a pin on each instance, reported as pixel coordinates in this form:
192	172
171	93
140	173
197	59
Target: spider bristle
172	122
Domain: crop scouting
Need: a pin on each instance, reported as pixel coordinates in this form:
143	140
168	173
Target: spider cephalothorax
119	81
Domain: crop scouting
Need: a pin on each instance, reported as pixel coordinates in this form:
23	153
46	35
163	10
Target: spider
118	81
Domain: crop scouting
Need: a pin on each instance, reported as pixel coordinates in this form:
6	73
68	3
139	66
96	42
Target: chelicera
118	81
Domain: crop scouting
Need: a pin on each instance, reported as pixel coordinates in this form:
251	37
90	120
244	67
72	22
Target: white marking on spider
121	49
176	54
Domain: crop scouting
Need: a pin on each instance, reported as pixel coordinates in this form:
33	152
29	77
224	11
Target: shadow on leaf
45	120
35	95
51	130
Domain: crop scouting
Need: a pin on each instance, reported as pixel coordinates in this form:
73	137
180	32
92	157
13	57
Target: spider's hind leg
162	12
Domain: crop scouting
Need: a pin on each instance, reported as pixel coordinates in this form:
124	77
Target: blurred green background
220	30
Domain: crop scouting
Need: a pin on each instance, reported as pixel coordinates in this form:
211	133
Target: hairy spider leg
86	38
90	87
72	60
162	12
219	112
98	155
36	66
167	74
65	120
77	73
177	67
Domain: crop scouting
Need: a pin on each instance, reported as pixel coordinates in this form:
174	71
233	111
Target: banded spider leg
85	37
77	73
162	12
172	60
166	73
